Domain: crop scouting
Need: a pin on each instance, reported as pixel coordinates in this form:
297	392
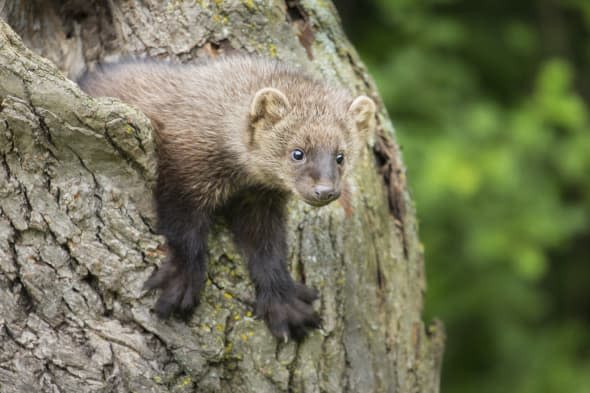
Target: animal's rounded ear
269	104
362	111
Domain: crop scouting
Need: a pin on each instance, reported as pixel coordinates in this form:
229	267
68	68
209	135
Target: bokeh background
490	103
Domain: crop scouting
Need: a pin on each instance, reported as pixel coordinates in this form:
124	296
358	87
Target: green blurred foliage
490	103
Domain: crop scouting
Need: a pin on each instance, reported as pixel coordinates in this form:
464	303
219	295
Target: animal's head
309	146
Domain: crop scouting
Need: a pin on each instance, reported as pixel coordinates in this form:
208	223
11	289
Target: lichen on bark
77	234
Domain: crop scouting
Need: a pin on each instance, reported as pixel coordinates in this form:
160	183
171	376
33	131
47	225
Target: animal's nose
325	192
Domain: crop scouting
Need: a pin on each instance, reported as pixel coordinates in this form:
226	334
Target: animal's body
236	137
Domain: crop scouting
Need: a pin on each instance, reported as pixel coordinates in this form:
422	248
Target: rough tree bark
76	220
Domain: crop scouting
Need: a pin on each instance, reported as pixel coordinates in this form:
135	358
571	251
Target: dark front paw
290	316
180	291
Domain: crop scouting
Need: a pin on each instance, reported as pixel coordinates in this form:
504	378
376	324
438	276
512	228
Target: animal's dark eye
339	158
297	155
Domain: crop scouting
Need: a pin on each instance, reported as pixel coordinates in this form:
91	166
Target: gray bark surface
77	234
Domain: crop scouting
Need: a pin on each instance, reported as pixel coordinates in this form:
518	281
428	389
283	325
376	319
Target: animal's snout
325	193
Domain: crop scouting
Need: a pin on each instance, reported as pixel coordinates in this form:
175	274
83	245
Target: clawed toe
305	293
159	277
291	318
180	293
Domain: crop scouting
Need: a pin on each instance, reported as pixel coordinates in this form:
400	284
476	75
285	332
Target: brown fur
227	133
208	138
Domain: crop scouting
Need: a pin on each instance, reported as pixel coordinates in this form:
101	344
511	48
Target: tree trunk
77	234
